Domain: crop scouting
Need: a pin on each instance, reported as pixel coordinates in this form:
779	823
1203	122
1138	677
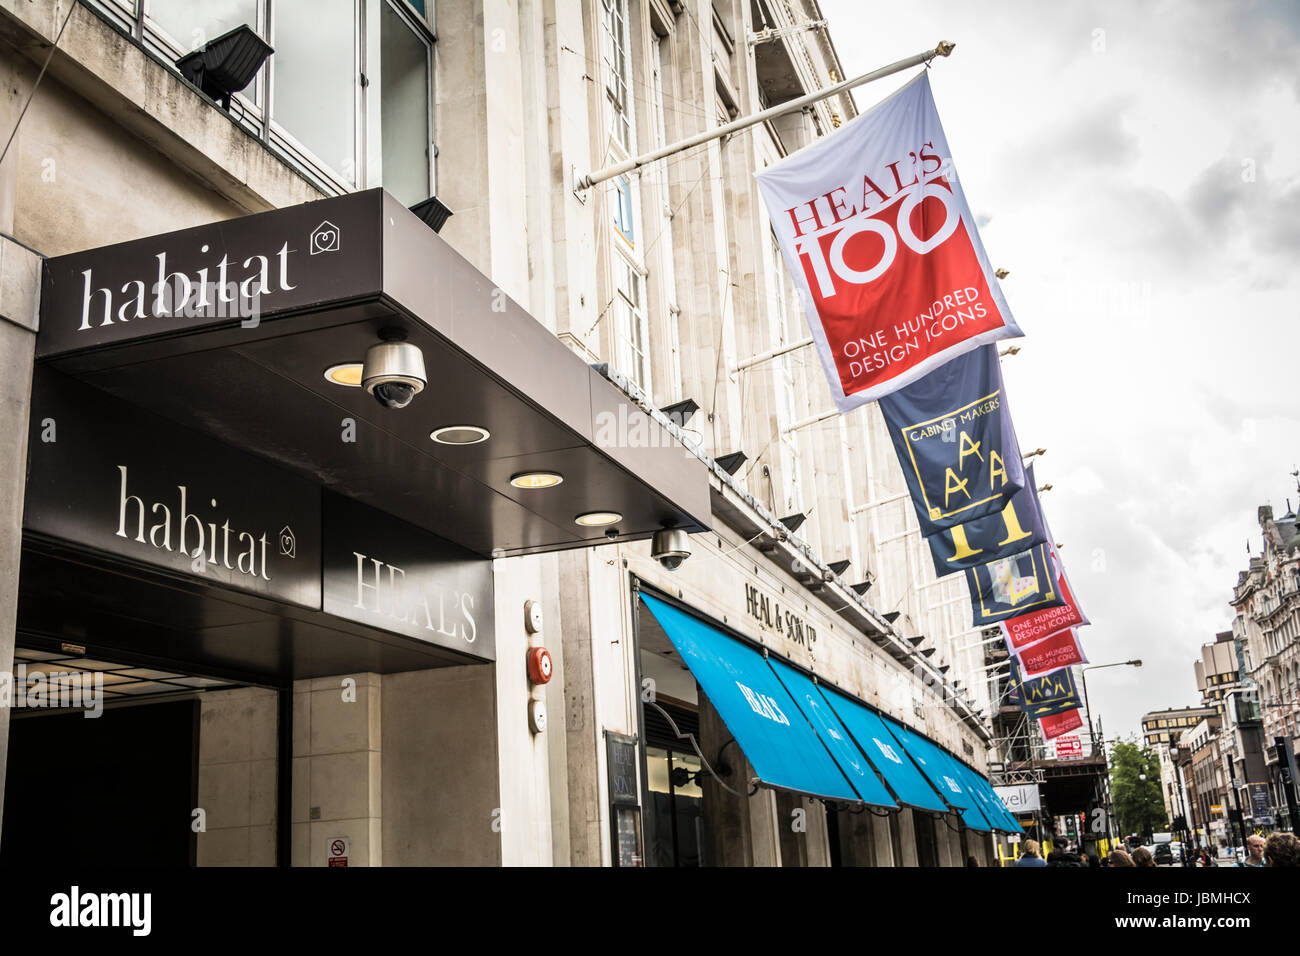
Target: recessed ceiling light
459	435
598	519
536	479
349	374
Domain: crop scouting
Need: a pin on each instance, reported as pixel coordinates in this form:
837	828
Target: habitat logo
55	690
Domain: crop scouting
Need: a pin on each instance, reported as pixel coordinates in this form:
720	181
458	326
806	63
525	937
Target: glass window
786	411
624	223
676	803
404	108
192	23
314	82
633	355
617	71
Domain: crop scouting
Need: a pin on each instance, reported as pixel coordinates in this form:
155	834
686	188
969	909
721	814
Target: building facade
1161	732
624	350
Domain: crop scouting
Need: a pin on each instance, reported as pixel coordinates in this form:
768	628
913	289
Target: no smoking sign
337	850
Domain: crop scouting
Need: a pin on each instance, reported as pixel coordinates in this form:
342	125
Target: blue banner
1012	586
1013	698
1018	527
955	441
1049	694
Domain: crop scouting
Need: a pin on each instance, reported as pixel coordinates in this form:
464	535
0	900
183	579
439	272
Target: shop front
291	480
772	732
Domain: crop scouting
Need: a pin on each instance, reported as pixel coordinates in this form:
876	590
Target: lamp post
1083	674
1174	753
1092	736
1146	816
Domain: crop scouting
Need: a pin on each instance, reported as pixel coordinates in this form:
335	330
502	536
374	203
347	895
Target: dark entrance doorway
116	790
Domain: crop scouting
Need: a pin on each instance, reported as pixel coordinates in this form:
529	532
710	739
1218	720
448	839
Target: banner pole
587	180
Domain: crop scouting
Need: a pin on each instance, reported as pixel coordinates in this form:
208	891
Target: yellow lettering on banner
996	469
1012	522
961	547
967	447
951	483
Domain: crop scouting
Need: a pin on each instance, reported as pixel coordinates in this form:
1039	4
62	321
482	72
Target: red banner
1059	650
1059	724
879	237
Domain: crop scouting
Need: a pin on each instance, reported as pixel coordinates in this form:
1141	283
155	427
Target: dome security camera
394	370
671	547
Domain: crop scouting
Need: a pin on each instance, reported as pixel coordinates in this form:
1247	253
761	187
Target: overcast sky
1137	168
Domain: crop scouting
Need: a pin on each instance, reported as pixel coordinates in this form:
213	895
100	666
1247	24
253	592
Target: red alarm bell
539	665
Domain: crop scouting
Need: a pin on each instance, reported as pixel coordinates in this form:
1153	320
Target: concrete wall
238	785
337	768
19	285
440	768
523	756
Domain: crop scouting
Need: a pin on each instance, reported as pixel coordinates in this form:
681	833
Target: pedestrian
1282	849
1142	857
971	861
1254	851
1120	858
1029	855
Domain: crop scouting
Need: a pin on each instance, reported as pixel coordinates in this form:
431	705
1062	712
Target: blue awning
834	735
757	710
939	769
886	753
991	806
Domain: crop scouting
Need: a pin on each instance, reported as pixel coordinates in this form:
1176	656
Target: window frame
620	108
256	114
630	360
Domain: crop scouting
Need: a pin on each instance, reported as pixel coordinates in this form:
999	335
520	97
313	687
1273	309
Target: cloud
1153	269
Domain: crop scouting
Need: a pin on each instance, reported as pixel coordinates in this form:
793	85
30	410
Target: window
346	96
618	71
405	64
623	217
630	325
665	239
786	406
313	83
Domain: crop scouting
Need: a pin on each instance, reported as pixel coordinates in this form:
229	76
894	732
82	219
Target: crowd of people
1279	849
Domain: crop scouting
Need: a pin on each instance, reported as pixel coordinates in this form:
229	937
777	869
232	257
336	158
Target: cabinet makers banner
877	233
955	441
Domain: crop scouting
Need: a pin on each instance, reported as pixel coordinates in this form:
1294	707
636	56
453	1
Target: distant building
1161	730
1267	630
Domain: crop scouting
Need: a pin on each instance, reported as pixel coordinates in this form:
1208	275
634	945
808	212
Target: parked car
1176	847
1164	855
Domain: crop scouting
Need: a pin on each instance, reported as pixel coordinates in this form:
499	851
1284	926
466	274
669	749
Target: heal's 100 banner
903	308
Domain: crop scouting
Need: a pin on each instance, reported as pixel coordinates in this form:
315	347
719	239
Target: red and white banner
1025	629
880	240
1052	653
1059	724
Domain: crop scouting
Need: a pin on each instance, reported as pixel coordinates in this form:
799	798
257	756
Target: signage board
1069	747
1260	802
621	759
223	273
337	850
385	573
115	478
1022	798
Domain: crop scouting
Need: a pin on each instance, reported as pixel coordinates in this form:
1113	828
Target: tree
1138	805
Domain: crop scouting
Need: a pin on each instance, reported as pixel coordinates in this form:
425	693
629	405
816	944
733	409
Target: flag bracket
583	182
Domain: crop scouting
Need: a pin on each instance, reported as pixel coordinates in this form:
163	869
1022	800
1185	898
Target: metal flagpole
587	180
